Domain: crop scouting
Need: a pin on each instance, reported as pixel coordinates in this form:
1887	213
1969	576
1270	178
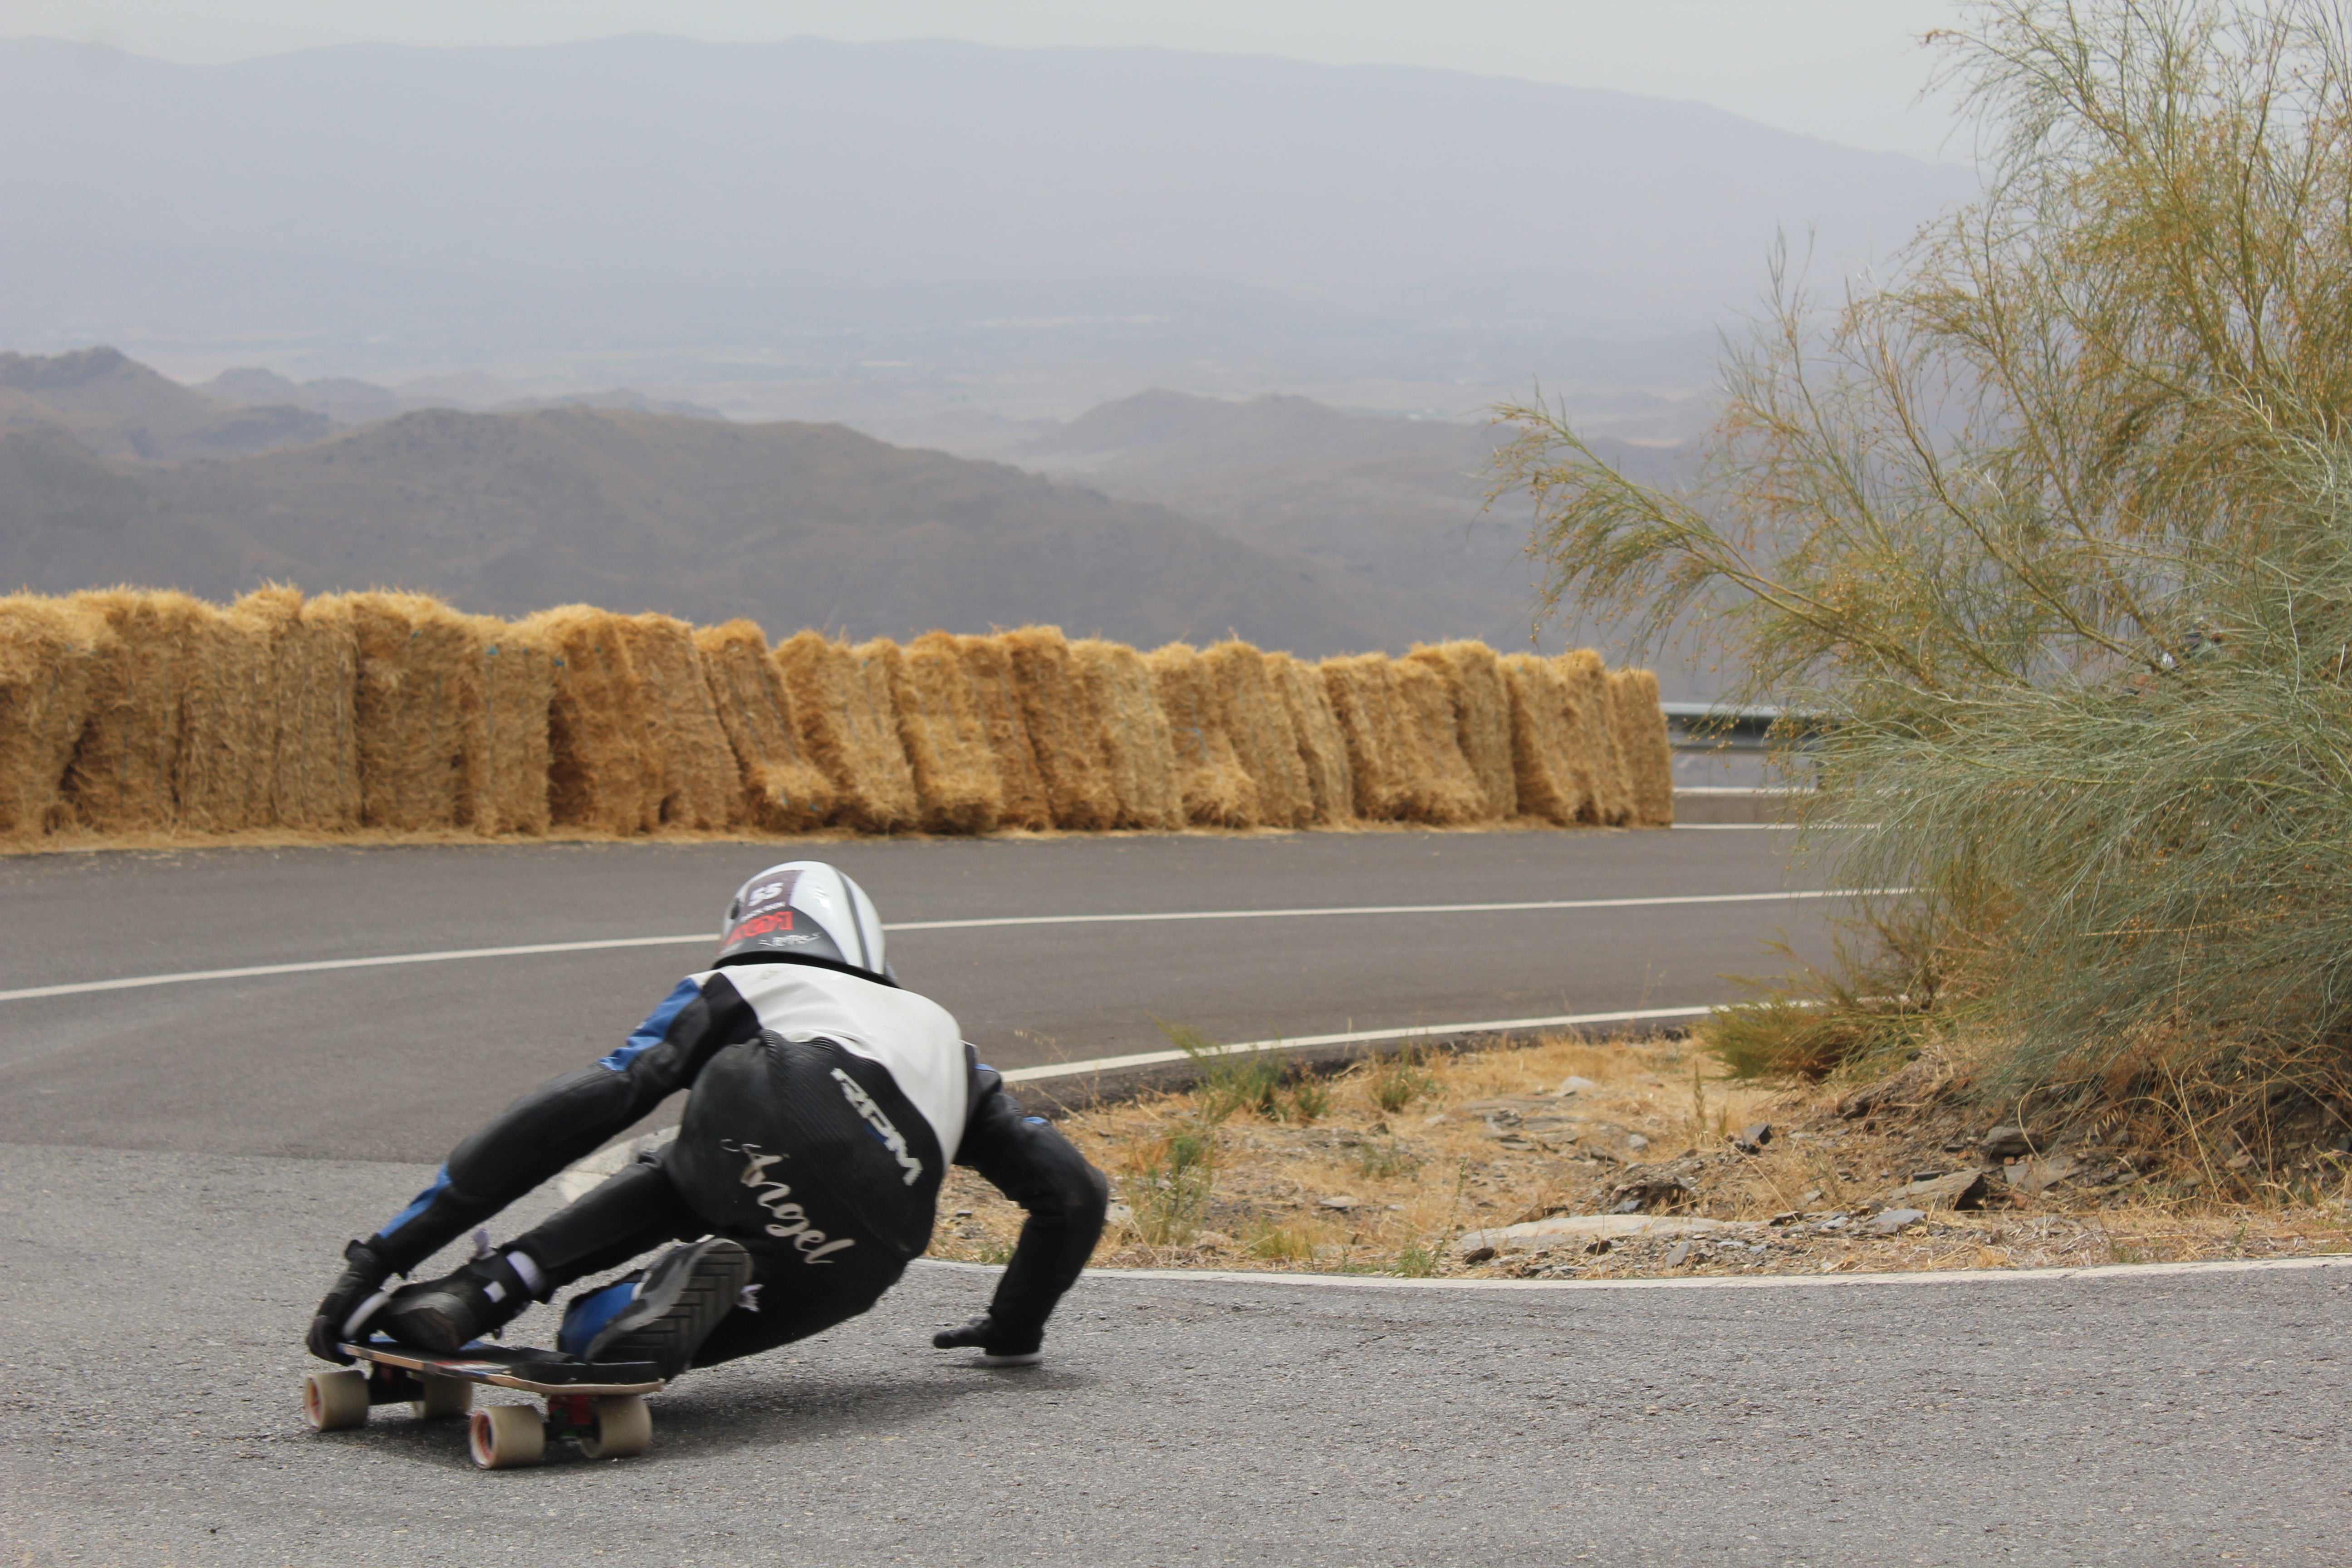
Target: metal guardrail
1703	727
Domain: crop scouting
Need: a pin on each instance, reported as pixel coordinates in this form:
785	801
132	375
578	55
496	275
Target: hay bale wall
1643	747
48	649
945	736
1137	748
127	711
840	699
1322	747
783	790
1065	731
1215	789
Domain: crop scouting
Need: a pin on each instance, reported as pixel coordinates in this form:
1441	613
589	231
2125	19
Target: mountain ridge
789	523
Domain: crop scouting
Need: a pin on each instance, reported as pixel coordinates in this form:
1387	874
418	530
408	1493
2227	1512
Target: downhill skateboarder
823	1105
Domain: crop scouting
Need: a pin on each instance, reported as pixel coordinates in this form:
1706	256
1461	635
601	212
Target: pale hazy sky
1849	70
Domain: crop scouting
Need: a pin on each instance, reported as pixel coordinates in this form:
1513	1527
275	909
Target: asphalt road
151	1302
178	1165
398	1063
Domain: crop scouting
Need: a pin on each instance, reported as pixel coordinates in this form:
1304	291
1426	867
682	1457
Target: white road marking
137	982
1407	1032
1405	908
2125	1271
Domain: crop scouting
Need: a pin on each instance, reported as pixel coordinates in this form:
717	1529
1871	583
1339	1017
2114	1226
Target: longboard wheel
507	1437
335	1401
624	1427
443	1397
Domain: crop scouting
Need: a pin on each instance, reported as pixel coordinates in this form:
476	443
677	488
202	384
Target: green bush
2054	527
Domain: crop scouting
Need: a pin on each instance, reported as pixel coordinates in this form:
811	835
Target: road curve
396	1061
179	1162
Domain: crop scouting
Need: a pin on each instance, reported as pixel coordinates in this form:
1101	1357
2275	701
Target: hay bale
1065	731
603	774
1322	747
1482	717
945	736
1644	748
1361	688
228	719
1591	716
1216	790
683	741
1552	780
1258	722
1398	724
784	791
417	711
1450	791
996	689
511	783
1137	748
315	775
840	697
122	777
48	650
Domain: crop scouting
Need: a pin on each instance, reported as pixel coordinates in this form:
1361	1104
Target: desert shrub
1166	1182
1261	1082
1306	1099
1229	1081
1387	1161
1873	1003
1282	1243
1417	1262
2053	526
1396	1081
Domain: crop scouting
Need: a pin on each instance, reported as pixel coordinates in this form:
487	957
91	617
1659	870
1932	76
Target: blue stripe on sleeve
650	1033
419	1203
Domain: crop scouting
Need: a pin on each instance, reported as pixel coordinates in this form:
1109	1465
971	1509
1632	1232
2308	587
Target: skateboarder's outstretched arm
562	1120
1036	1167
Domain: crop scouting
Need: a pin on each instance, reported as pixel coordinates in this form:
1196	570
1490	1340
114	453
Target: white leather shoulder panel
913	1036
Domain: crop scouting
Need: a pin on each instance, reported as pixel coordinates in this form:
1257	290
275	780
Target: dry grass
1404	1157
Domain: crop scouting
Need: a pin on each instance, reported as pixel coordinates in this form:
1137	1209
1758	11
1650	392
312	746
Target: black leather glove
362	1277
995	1341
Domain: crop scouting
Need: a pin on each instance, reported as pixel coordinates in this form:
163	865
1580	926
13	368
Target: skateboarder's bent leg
628	1215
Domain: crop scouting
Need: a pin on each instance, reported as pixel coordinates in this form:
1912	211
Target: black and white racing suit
823	1109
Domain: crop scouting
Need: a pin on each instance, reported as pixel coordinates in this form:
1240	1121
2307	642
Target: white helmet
805	912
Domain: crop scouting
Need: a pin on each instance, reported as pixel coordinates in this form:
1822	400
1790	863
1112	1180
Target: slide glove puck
997	1347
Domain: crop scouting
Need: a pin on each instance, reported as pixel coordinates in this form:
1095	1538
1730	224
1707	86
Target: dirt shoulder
1571	1160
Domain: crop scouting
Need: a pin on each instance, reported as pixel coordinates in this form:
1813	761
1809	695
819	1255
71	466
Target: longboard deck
520	1368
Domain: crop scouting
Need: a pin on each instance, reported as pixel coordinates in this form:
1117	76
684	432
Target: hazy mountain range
881	230
111	472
